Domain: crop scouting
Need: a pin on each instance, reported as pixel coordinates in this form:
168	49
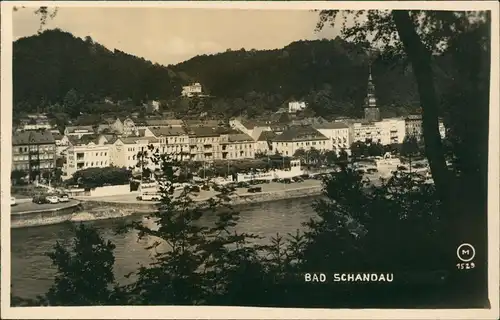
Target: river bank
90	209
100	209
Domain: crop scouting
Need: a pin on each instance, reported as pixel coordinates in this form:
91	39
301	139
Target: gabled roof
239	137
164	122
202	132
266	135
204	123
84	140
32	137
134	140
300	133
167	131
331	125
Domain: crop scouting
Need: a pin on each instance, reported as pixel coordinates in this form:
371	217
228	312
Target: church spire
371	100
372	112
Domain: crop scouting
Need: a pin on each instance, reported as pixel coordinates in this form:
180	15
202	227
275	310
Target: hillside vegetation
331	75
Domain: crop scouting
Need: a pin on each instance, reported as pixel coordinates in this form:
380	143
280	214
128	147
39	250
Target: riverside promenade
29	214
203	195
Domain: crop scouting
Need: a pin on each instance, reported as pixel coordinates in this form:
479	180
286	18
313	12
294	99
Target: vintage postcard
250	160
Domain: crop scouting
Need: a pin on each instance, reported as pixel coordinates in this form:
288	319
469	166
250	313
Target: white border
130	312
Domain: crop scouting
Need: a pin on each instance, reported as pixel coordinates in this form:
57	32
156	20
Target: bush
98	177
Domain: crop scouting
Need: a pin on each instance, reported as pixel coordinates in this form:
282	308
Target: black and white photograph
278	156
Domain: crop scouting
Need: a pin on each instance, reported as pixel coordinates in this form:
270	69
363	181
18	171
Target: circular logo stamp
466	252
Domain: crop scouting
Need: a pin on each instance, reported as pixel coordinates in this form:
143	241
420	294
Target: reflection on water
32	272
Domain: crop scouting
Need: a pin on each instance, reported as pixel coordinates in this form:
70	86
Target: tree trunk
420	59
459	214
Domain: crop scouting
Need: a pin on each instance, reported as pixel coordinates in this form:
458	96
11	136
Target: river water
32	273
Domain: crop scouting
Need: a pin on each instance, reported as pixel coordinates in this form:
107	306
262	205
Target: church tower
372	112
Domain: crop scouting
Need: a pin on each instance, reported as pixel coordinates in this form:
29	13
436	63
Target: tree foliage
98	177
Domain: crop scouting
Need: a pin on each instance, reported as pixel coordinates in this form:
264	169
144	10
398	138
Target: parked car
371	170
12	201
287	180
243	185
52	199
254	189
297	179
63	198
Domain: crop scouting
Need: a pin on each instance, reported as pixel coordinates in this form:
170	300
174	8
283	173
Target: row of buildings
118	142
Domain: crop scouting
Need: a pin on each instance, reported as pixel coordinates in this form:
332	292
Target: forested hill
331	75
47	66
297	70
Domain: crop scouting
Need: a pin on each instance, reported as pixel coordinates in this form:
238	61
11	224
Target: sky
169	36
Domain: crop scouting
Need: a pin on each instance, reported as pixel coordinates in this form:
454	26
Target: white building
174	141
295	106
386	131
125	151
338	133
78	131
87	152
300	137
236	146
192	90
264	143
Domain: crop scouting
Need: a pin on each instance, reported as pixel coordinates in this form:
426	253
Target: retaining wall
43	217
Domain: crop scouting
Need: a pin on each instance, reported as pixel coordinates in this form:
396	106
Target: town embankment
112	207
27	215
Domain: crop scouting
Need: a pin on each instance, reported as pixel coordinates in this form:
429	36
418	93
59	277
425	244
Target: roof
239	137
72	129
202	131
163	122
266	135
32	137
414	117
84	140
167	131
300	133
205	123
133	140
331	125
57	136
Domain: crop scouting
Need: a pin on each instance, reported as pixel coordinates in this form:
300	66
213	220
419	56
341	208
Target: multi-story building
191	90
126	152
78	131
264	143
174	141
33	151
386	131
235	146
295	106
300	137
338	133
413	127
89	151
204	144
35	122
